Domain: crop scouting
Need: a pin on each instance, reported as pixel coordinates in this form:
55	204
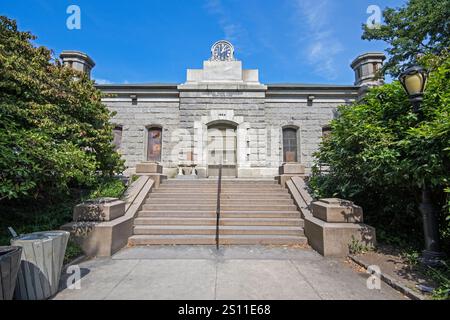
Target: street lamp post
414	81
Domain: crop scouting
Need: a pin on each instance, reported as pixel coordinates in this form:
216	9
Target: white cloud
322	45
233	31
102	81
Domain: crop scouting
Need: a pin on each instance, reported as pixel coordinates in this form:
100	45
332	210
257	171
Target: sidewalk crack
121	280
306	280
215	284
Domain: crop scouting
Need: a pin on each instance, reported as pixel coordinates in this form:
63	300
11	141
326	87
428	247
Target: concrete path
236	272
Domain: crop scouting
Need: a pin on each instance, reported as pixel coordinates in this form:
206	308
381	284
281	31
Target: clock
222	51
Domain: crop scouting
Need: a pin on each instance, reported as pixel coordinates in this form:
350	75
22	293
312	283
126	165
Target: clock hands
222	52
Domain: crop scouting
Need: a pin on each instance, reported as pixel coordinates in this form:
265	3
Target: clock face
222	51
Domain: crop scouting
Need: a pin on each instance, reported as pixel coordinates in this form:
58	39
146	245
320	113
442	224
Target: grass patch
73	251
439	275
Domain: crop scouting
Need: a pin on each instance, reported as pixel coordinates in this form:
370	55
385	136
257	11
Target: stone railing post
334	224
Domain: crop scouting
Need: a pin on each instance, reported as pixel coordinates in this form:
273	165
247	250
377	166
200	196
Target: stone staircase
252	212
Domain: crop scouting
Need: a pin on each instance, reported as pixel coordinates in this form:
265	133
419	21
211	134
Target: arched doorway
222	146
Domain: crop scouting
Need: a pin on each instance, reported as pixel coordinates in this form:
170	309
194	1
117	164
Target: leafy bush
54	130
52	212
380	155
55	139
357	247
27	216
441	276
110	187
411	30
73	251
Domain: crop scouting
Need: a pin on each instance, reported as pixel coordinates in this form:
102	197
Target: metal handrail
219	191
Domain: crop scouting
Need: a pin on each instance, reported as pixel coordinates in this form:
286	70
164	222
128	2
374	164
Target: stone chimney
78	61
366	67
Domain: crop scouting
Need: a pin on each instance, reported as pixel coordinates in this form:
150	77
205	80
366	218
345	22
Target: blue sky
298	41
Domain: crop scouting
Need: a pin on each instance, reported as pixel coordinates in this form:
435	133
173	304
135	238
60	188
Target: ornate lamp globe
414	81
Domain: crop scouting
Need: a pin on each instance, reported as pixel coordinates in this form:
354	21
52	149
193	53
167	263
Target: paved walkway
237	272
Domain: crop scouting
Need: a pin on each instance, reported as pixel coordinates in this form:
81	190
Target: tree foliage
379	154
419	28
54	130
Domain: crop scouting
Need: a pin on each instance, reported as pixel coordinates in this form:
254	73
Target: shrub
54	130
380	155
109	188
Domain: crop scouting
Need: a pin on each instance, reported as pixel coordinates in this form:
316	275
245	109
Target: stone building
222	114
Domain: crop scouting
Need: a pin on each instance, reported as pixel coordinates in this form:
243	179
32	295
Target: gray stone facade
222	93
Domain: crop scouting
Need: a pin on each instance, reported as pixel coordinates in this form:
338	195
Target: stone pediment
222	72
225	71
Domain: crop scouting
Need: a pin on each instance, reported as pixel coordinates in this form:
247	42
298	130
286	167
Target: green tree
54	130
379	154
419	28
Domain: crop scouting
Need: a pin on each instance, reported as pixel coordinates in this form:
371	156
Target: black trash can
9	267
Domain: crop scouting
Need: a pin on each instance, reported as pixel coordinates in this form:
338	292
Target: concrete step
223	230
213	196
223	221
176	213
224	185
224	182
224	202
206	207
223	191
143	240
252	212
224	214
224	188
213	193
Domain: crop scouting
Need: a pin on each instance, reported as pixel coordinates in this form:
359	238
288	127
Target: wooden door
290	145
154	144
222	146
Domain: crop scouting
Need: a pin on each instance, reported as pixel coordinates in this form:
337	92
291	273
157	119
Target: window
365	70
359	73
376	67
117	140
290	145
154	143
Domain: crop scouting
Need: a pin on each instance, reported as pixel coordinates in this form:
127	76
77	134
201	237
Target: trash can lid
50	234
30	237
8	249
40	236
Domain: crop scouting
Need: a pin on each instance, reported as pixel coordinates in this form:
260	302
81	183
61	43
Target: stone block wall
135	119
259	112
200	107
308	119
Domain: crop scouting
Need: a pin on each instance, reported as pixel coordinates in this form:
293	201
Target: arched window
117	140
290	153
154	144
